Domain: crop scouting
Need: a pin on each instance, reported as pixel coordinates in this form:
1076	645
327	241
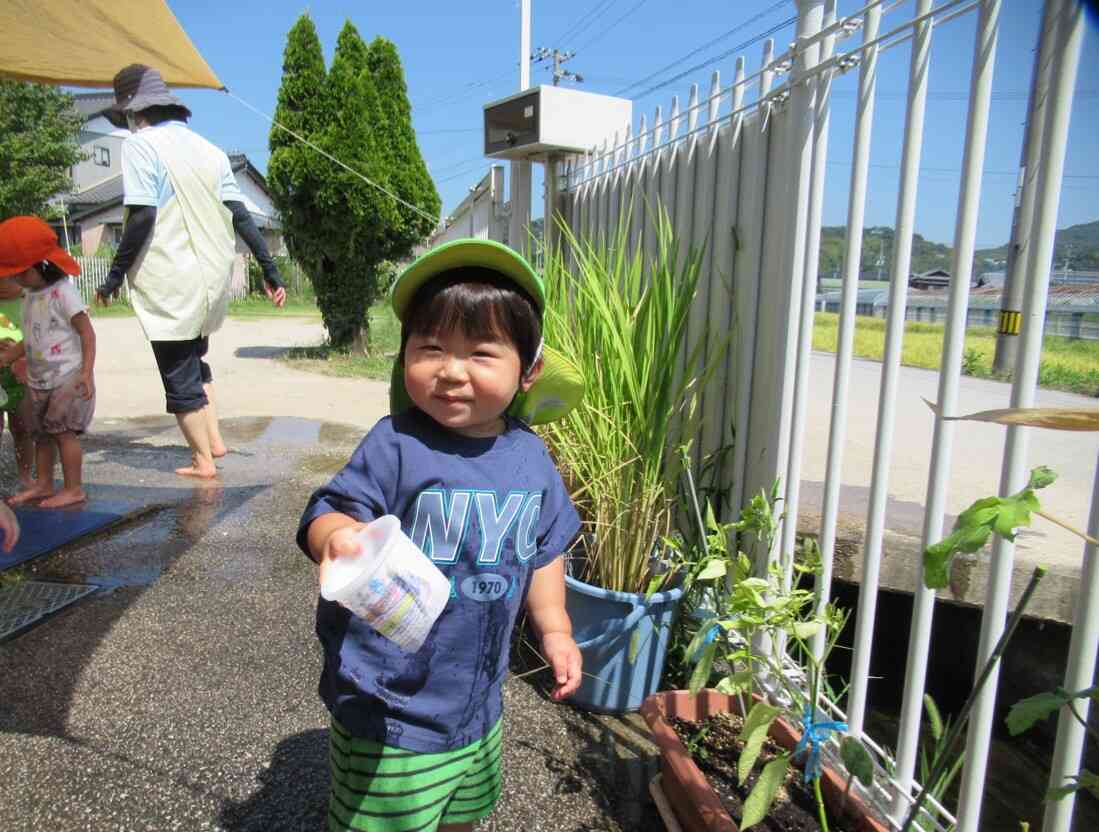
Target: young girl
59	344
15	406
415	737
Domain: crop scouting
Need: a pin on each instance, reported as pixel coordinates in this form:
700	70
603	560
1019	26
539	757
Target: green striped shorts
383	789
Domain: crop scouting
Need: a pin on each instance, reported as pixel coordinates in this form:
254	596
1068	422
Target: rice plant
623	321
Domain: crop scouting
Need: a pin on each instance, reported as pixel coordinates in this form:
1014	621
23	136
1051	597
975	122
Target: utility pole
559	57
1011	302
520	170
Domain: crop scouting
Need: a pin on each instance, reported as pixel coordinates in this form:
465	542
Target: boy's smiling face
464	383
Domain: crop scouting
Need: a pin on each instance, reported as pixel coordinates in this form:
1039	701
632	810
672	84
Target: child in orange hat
59	344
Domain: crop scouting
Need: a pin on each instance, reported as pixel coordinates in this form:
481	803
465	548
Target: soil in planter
714	746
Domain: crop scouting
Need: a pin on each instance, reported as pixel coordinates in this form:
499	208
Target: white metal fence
747	180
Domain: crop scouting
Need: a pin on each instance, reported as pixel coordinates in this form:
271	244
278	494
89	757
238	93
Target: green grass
1067	363
255	306
385	341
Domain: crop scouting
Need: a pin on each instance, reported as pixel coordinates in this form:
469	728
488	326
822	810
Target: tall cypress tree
292	168
355	213
407	171
340	227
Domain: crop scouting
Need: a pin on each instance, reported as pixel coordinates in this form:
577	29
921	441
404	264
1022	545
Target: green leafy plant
623	320
1025	713
971	361
745	636
1002	515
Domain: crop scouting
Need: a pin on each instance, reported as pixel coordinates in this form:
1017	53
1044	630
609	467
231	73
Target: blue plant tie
813	735
711	634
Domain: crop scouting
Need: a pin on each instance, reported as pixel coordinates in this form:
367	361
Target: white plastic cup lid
344	572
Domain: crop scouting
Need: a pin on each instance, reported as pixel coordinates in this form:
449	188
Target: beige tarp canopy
83	43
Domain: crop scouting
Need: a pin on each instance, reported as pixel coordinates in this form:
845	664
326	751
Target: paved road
975	472
247	378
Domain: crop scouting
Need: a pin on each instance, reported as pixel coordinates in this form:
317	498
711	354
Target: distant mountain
1079	243
877	243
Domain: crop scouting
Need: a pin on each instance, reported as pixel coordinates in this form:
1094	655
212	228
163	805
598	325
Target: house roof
92	104
239	162
107	191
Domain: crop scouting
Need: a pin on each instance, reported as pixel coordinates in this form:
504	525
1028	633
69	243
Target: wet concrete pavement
182	695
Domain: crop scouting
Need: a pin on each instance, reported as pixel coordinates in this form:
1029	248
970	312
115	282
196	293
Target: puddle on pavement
178	515
290	430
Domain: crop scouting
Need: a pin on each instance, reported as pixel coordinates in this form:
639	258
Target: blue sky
458	56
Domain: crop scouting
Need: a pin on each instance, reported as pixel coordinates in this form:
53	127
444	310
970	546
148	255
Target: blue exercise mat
44	529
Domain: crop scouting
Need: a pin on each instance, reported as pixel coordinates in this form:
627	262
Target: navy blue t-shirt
487	512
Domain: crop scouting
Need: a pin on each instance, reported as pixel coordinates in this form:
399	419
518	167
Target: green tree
39	131
407	171
293	174
346	230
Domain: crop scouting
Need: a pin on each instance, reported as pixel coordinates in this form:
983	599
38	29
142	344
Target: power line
706	45
456	175
711	61
628	12
469	90
449	130
589	16
457	164
332	158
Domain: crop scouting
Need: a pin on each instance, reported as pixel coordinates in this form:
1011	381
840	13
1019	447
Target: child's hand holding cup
376	572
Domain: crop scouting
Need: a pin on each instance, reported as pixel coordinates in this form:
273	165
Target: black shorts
183	372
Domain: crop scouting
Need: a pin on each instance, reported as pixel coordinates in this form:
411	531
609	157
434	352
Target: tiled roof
106	191
91	104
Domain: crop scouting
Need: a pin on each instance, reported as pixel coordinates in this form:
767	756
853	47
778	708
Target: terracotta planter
696	804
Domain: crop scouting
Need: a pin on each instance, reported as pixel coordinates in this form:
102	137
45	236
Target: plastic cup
389	583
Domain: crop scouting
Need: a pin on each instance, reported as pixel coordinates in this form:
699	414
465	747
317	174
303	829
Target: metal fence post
777	331
969	196
891	360
1013	475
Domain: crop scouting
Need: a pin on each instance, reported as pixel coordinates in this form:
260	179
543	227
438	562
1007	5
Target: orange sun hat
26	242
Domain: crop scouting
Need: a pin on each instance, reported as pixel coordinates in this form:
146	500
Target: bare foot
35	492
197	472
64	497
218	451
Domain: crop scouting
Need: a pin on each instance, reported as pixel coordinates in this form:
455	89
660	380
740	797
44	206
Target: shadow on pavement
293	791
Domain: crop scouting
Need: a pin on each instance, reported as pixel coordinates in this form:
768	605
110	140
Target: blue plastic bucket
623	638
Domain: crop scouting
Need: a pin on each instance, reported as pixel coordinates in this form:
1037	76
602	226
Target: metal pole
746	289
520	170
549	212
965	233
1013	475
1011	302
891	361
776	351
1078	675
852	261
822	105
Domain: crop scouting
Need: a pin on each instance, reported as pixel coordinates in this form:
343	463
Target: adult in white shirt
183	206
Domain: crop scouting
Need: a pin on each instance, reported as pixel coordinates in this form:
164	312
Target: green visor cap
558	389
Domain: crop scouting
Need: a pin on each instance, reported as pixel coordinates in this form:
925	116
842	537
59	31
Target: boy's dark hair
479	303
164	112
50	273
